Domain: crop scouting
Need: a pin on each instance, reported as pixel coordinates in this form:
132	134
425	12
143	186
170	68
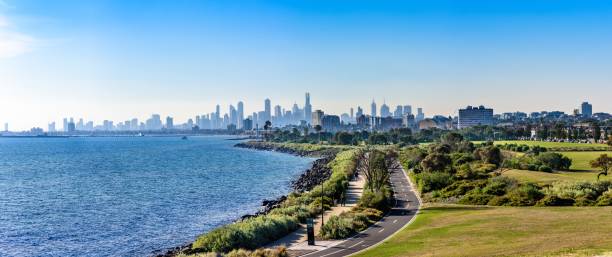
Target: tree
267	127
489	154
610	140
374	167
603	162
318	129
436	162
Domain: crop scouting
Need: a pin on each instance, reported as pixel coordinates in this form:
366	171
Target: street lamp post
322	208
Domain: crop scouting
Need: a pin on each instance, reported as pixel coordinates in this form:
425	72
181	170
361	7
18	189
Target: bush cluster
349	223
546	162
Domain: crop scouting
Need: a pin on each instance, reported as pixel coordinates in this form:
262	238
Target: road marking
381	230
395	221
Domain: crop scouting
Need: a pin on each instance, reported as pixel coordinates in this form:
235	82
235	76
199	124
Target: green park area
460	230
521	226
556	146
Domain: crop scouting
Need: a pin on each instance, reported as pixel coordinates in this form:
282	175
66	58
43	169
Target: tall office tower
169	123
587	109
399	111
351	114
307	109
267	110
240	115
359	112
373	113
420	115
233	115
134	124
65	125
217	117
80	125
51	127
278	115
297	114
384	111
255	119
407	109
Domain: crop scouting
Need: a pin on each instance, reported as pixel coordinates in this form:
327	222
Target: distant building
5	127
420	115
427	124
474	116
317	118
408	121
51	127
247	124
384	111
307	109
373	107
169	122
587	109
330	122
267	111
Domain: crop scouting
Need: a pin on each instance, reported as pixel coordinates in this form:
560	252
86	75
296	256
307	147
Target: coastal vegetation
375	200
254	232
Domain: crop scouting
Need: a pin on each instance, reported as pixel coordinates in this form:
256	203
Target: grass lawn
547	178
553	145
453	230
580	160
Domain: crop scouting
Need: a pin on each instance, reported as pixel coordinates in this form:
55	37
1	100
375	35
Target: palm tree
267	127
318	128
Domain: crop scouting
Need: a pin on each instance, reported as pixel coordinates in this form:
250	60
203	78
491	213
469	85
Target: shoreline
308	179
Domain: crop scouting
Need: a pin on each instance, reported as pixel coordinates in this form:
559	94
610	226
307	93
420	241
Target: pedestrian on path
342	199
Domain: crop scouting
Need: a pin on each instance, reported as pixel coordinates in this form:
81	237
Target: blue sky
104	59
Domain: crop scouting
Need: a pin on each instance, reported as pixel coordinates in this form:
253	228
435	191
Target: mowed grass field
539	177
580	160
458	230
551	144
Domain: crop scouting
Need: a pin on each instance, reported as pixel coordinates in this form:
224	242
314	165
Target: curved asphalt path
407	205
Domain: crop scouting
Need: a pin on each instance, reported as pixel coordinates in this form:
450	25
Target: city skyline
121	59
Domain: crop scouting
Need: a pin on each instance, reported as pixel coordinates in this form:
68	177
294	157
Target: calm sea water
128	196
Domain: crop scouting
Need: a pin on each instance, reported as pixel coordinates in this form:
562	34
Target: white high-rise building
373	108
240	124
307	109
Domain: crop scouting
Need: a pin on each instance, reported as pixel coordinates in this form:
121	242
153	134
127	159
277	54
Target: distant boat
184	137
140	134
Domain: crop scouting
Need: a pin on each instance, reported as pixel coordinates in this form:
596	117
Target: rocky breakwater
284	148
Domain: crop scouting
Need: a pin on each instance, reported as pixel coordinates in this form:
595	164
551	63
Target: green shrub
461	187
475	197
248	234
555	161
525	195
553	200
336	228
499	201
544	168
380	200
499	186
429	181
605	199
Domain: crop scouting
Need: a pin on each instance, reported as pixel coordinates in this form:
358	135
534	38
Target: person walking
342	199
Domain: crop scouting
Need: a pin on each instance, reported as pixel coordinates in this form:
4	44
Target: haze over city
118	60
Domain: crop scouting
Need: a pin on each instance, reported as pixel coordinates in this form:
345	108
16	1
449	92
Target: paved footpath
407	205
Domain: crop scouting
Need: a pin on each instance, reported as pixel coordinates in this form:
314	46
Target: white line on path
381	230
395	221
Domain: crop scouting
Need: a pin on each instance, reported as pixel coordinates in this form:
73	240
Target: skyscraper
373	113
267	110
233	115
399	111
317	118
240	115
351	114
217	122
384	111
407	109
278	113
169	123
359	112
307	109
51	127
474	116
420	115
587	109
